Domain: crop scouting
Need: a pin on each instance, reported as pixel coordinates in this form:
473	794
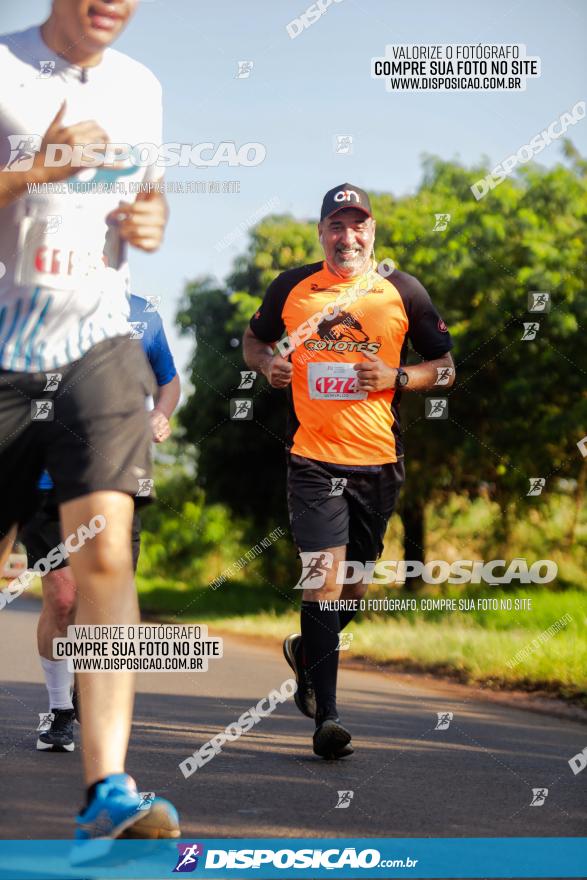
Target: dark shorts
43	532
325	511
91	433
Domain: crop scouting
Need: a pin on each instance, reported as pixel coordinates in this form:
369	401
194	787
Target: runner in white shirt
64	306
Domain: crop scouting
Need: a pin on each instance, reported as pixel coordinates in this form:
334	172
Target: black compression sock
320	630
345	618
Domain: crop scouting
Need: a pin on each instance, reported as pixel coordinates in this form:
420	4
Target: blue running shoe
115	811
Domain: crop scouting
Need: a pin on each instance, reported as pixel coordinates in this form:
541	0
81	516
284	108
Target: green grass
466	652
472	646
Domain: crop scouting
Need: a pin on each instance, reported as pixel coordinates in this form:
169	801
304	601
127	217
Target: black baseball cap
345	196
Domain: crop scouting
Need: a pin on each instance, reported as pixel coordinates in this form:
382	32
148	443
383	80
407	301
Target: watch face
403	379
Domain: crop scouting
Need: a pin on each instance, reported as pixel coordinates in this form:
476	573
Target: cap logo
344	195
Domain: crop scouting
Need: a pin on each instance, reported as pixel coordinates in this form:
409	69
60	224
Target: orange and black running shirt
328	323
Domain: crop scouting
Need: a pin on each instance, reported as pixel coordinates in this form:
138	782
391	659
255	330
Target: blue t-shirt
148	327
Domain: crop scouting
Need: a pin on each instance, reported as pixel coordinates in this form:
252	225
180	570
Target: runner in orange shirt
335	335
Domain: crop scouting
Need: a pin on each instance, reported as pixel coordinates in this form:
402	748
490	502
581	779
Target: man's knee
108	559
328	592
59	596
353	591
106	552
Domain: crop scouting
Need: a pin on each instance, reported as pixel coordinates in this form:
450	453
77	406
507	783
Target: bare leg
58	610
107	596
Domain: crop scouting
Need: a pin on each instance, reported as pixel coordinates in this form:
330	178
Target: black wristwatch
401	378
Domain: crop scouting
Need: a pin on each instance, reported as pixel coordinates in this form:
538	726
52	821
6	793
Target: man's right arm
258	356
14	184
265	329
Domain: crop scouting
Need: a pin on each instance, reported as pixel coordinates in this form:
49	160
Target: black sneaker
332	740
59	736
304	697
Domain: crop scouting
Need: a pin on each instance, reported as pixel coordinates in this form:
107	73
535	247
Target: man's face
347	240
92	23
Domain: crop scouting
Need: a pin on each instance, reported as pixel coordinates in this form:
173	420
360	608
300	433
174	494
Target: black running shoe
304	697
332	740
59	736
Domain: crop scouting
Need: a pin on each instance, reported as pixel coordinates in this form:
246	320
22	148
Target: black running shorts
43	532
332	505
91	432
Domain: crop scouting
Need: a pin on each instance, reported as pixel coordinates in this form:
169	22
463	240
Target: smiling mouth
103	20
348	253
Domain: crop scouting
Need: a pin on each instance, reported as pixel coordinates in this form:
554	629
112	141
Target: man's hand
159	426
142	222
374	375
278	371
82	133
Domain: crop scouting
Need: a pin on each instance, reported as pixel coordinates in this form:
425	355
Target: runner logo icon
137	329
539	795
530	331
444	375
538	302
42	410
145	487
436	408
187	861
344	641
152	303
52	381
444	719
344	800
22	151
442	221
314	568
537	484
338	485
147	798
47	68
241	409
247	379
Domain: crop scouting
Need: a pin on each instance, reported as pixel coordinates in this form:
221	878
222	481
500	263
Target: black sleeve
267	322
426	331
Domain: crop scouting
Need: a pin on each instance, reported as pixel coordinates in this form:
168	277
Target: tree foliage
518	408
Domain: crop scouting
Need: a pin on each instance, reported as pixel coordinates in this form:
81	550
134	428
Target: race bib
56	258
333	381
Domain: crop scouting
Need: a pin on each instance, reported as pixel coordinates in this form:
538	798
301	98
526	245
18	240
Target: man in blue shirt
43	532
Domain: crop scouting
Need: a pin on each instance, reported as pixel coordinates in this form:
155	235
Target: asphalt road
408	779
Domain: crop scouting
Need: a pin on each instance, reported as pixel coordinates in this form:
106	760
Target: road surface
408	779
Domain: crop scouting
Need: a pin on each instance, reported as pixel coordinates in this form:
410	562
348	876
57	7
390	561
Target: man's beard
350	261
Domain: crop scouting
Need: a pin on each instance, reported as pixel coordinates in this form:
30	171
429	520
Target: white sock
59	683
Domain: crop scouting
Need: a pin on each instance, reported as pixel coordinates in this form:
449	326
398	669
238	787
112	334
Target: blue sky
303	92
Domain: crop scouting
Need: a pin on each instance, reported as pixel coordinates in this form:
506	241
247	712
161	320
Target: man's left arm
375	375
142	222
165	404
168	385
429	337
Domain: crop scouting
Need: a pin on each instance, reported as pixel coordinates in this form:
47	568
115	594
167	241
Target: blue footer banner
447	857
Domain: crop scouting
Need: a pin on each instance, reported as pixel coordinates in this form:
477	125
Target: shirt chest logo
341	332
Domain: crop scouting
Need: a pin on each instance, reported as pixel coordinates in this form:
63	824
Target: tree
519	406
